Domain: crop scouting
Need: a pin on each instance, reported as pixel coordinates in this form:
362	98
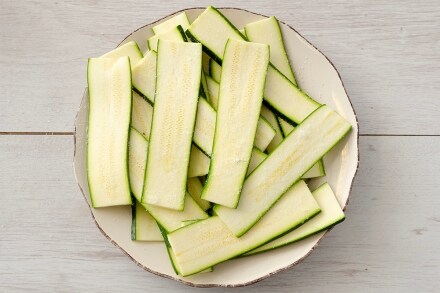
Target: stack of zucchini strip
210	170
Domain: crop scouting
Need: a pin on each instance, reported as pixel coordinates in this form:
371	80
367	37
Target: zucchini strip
271	118
195	188
330	215
130	49
268	31
257	158
209	242
144	227
174	116
198	163
213	30
110	97
242	84
180	19
298	152
176	34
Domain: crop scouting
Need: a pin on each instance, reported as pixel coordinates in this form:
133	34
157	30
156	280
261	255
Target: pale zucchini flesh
110	98
195	188
271	118
257	158
215	70
130	49
322	130
213	88
174	34
144	76
180	19
211	241
144	227
177	87
330	215
244	74
198	163
137	157
142	115
268	31
213	30
205	126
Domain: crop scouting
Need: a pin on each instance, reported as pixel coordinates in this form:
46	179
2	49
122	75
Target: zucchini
257	158
137	157
198	163
271	118
130	49
195	188
174	34
215	70
213	30
205	126
171	220
322	130
180	19
241	87
268	31
142	115
330	215
318	169
144	76
110	96
144	227
209	242
173	123
213	88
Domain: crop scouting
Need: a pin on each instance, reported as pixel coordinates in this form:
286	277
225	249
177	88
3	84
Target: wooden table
388	55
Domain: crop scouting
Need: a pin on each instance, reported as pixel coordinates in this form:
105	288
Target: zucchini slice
141	115
215	70
257	158
175	105
195	188
241	94
330	215
318	169
268	31
205	126
137	157
174	34
144	76
143	226
213	89
110	96
213	30
271	118
130	49
198	163
209	242
322	130
180	19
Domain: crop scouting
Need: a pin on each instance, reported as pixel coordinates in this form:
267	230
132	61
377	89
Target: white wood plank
387	53
389	241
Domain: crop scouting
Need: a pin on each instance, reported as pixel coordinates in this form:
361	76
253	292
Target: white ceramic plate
316	76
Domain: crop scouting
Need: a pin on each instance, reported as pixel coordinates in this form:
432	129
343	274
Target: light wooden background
388	53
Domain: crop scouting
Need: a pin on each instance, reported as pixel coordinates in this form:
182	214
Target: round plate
317	76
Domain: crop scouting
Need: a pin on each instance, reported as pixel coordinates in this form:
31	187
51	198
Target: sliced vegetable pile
209	138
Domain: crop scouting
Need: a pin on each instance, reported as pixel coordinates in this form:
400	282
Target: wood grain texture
389	241
386	51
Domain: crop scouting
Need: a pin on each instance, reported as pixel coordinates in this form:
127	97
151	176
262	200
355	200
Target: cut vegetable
213	88
195	188
171	220
130	49
308	143
330	215
211	242
180	19
144	227
198	163
241	87
137	157
256	159
174	34
204	91
271	118
205	126
110	96
177	87
213	30
268	31
318	169
215	70
144	76
142	115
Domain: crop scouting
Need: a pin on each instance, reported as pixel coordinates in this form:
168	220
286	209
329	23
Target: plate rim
211	285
